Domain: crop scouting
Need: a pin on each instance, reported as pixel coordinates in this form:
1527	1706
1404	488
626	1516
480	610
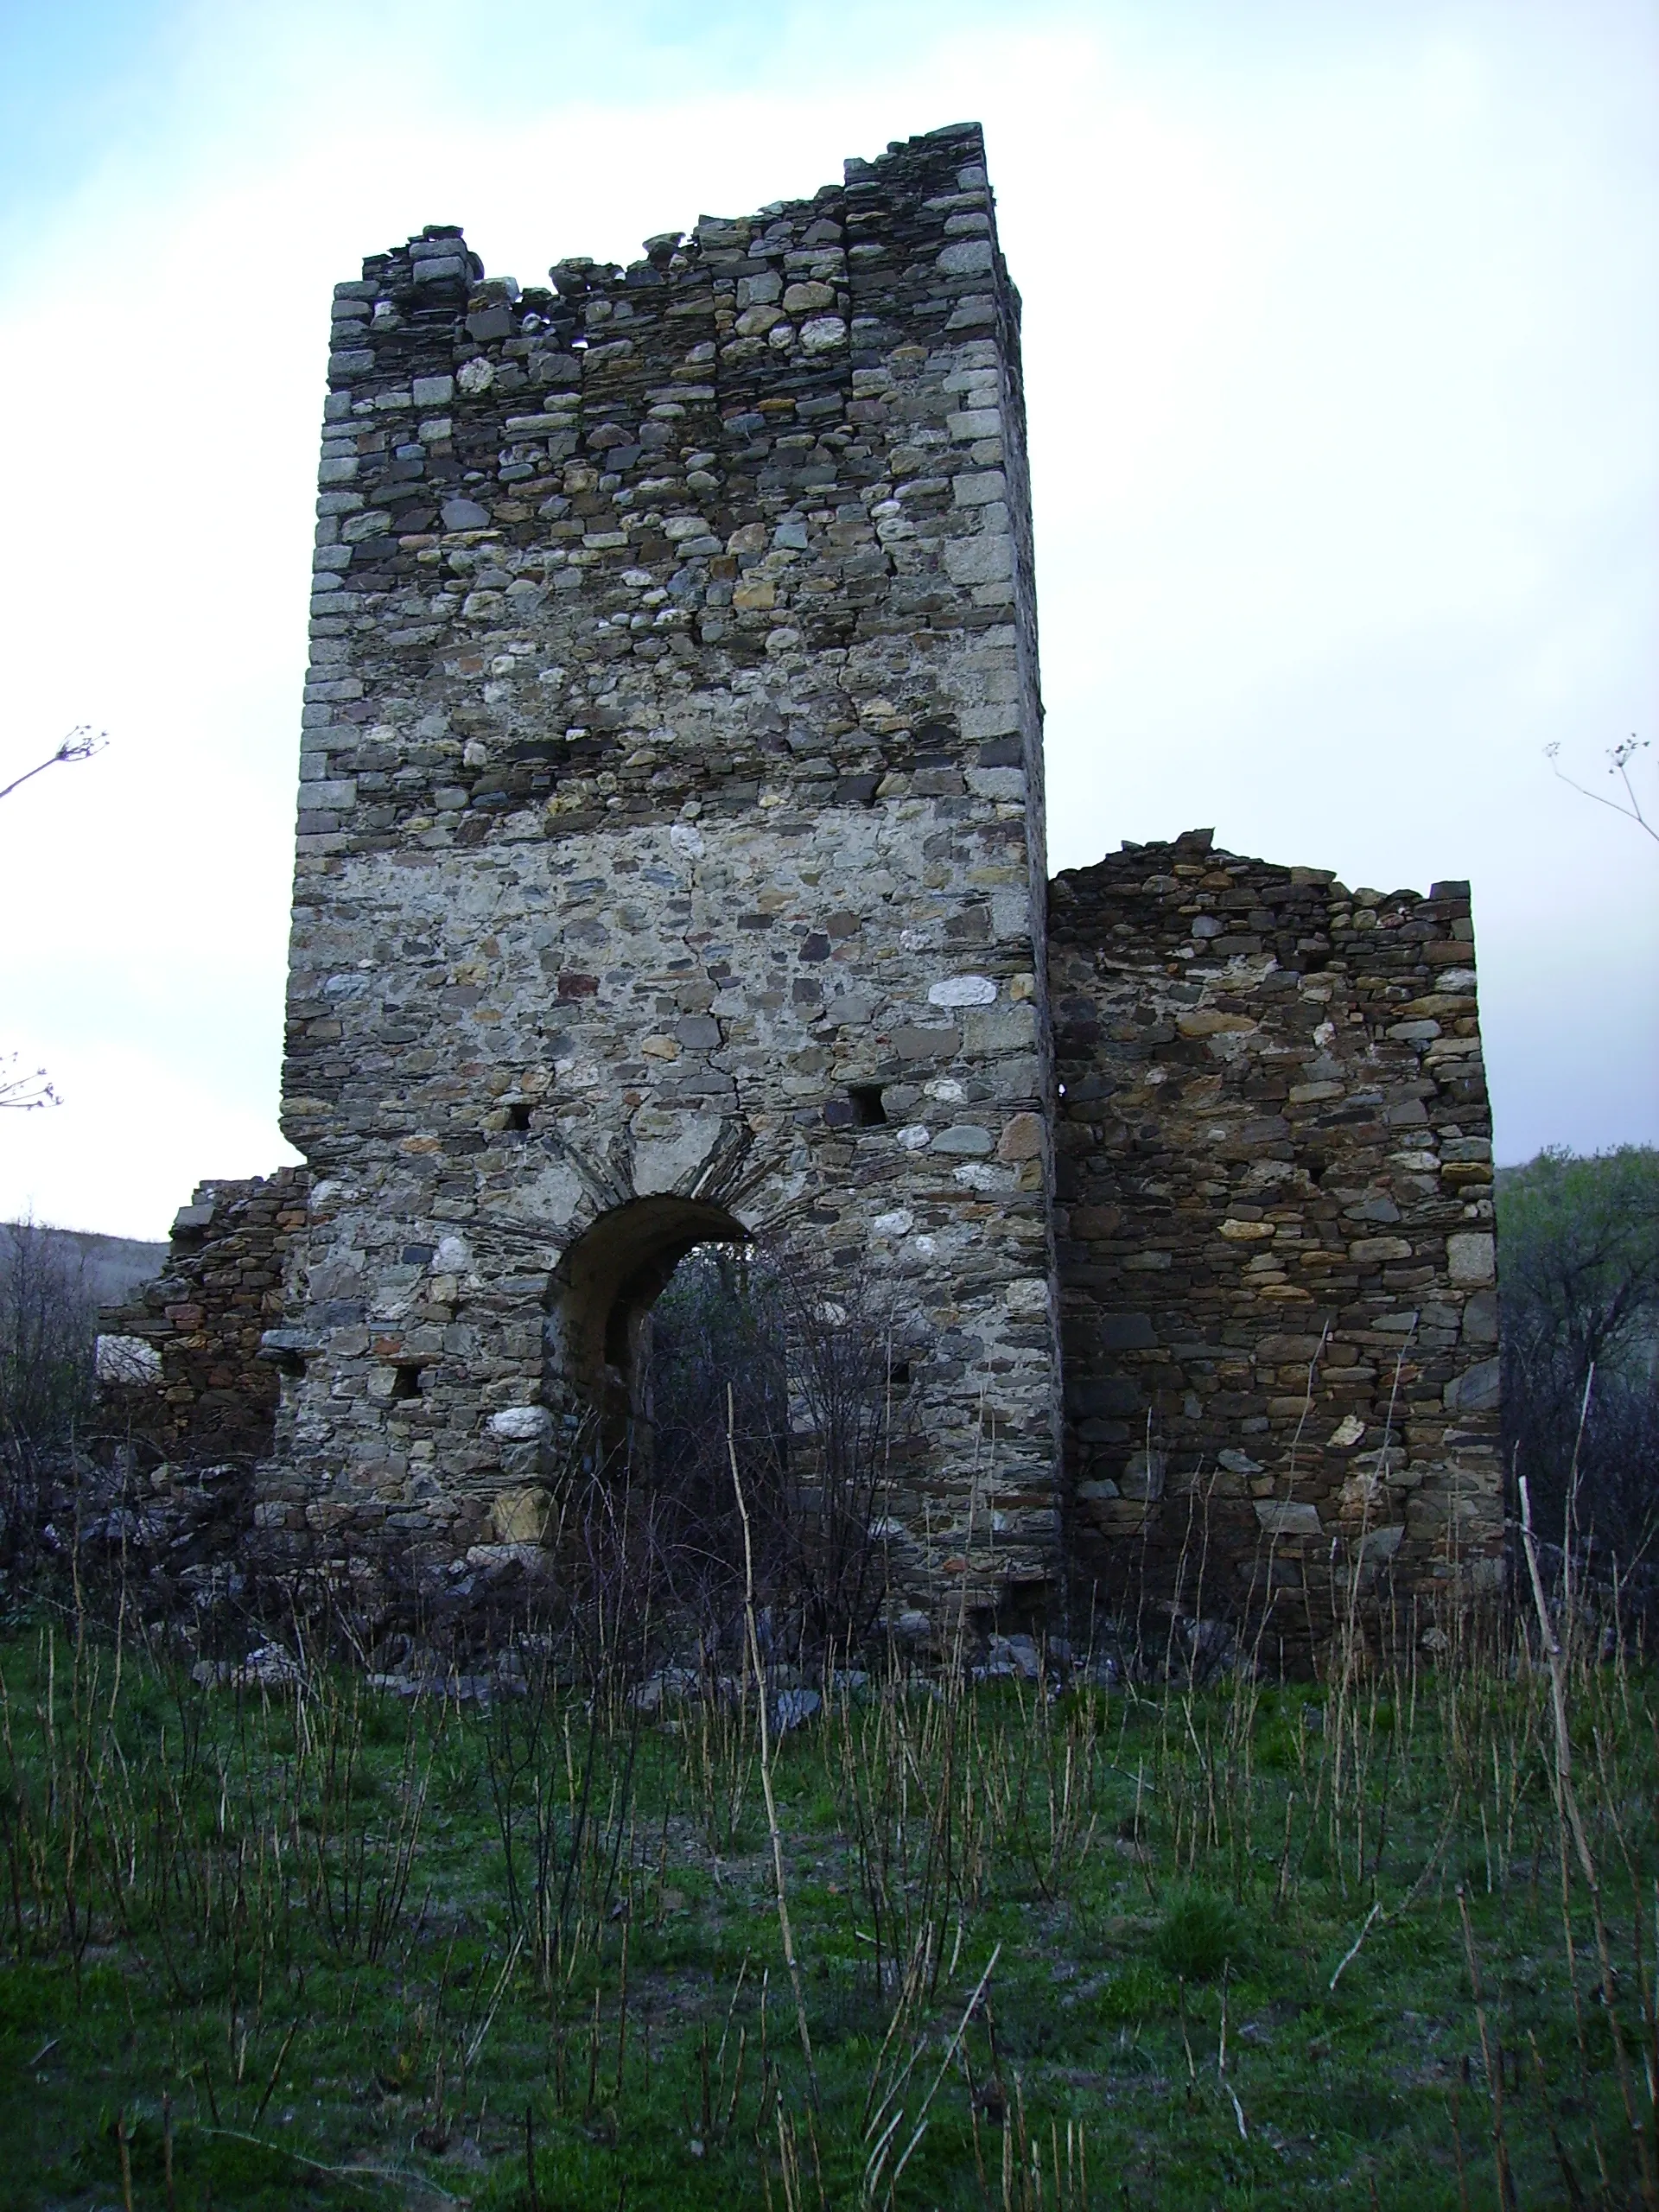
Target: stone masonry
205	1315
670	868
671	851
1275	1233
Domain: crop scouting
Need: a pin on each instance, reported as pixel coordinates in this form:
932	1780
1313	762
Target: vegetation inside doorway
747	1371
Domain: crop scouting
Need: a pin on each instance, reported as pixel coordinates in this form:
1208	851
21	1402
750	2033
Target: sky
1342	353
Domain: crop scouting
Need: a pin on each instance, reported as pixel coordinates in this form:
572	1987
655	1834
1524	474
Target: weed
1200	1935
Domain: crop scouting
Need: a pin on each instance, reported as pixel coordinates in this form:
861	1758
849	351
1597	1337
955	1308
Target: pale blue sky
1342	345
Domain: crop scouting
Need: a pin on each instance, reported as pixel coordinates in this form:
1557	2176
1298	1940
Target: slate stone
1125	1332
964	1138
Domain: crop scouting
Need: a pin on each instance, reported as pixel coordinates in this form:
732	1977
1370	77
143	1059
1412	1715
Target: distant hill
109	1266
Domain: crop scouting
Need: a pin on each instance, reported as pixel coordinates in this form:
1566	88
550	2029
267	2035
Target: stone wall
1275	1235
670	852
205	1315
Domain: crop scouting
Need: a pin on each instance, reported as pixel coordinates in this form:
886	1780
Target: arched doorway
598	1328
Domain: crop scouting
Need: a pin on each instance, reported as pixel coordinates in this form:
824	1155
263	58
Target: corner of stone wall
204	1318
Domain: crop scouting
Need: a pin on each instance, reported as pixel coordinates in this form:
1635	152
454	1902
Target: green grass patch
322	1947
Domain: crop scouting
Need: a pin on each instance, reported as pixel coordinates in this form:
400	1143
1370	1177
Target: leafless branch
24	1093
81	744
1619	757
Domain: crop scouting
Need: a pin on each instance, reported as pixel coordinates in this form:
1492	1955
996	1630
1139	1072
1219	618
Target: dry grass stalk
1572	1821
773	1830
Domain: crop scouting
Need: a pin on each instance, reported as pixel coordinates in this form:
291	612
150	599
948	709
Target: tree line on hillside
1579	1282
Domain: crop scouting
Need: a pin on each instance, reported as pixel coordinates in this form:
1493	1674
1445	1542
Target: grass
1254	1945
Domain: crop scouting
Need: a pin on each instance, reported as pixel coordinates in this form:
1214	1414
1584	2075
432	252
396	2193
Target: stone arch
599	1302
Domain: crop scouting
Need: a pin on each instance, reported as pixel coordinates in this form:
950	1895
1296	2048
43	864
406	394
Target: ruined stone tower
671	869
670	861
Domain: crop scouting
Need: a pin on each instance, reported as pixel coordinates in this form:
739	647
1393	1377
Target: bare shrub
48	1324
1580	1262
752	1344
849	1421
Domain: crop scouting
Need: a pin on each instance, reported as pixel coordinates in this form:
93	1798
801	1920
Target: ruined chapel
670	868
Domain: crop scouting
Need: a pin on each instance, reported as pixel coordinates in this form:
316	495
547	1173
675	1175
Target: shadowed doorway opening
597	1333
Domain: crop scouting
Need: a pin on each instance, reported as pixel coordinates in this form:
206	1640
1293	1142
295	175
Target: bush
749	1356
1200	1935
816	1414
